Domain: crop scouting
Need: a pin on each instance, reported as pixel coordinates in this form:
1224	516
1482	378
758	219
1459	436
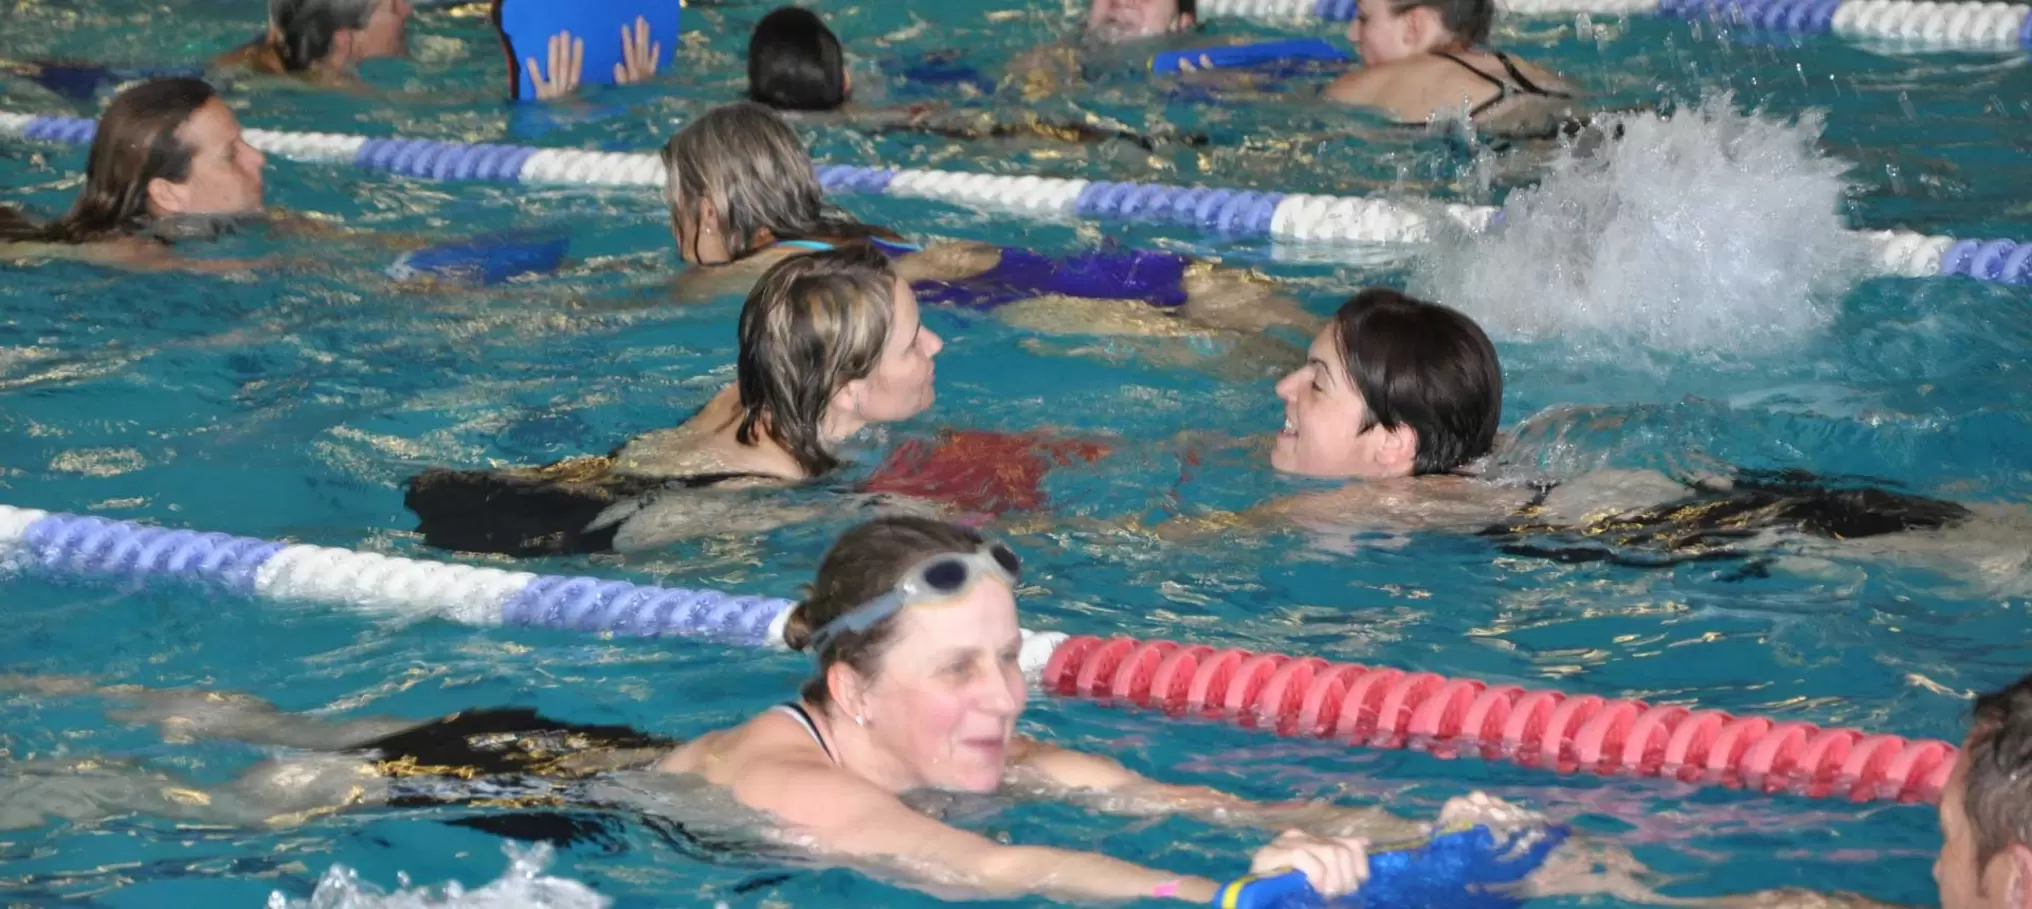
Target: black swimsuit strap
1524	82
803	717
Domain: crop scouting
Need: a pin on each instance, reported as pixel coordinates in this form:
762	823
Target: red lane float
1391	708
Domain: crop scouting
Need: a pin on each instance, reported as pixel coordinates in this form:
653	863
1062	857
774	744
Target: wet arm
1105	785
844	815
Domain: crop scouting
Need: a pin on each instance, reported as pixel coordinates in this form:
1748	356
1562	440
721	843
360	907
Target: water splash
522	886
1705	231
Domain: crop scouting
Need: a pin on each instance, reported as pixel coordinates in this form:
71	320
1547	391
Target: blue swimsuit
1152	276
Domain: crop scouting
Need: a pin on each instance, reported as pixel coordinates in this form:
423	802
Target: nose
932	343
1004	696
1354	31
257	158
1287	387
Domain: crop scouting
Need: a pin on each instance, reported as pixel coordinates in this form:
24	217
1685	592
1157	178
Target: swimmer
1986	811
1404	397
1424	60
743	195
1112	28
168	161
830	343
324	41
912	627
796	66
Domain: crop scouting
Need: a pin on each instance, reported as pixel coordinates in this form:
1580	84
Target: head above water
1130	20
1393	387
309	33
795	63
830	342
1385	31
163	148
933	678
1986	812
738	180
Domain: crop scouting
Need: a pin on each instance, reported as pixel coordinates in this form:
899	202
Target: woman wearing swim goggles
912	624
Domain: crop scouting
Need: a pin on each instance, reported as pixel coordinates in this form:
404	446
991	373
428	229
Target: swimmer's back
763	761
1415	89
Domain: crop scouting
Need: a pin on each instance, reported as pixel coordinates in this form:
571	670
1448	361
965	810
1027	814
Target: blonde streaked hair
812	324
751	165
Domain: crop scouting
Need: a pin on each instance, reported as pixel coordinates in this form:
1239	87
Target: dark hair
135	144
1426	366
756	172
812	323
304	28
1189	8
15	226
865	563
1998	797
1468	20
795	63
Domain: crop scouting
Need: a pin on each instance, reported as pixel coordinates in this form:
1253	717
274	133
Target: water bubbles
1706	232
522	886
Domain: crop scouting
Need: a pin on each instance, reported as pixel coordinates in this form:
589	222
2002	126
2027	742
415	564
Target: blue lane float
76	547
1314	220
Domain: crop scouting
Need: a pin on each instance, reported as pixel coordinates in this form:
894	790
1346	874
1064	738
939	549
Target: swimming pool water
293	404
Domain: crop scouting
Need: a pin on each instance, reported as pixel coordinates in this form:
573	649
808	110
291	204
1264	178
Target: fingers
536	77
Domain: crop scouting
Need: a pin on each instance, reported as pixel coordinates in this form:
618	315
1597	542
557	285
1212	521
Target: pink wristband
1168	888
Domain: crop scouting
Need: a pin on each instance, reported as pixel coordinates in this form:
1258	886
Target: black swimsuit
1521	83
527	773
1708	524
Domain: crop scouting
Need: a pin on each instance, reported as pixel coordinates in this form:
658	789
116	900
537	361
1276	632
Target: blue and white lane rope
77	547
1955	24
1299	218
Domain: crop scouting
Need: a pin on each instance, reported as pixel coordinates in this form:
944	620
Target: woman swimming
829	343
797	66
1425	59
912	627
324	41
1405	397
169	160
743	195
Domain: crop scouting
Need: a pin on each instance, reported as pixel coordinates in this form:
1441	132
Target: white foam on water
522	886
1709	231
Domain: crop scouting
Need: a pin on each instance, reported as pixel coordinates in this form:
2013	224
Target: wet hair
136	143
865	563
795	62
750	164
813	323
303	29
1468	20
15	226
1998	797
1423	365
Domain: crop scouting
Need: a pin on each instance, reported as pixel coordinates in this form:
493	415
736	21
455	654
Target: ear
1422	27
708	215
1183	22
2018	890
847	81
1398	455
166	198
848	399
850	691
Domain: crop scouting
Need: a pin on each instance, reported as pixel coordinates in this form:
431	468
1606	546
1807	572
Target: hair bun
797	628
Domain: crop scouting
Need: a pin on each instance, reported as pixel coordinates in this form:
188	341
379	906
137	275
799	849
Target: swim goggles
941	577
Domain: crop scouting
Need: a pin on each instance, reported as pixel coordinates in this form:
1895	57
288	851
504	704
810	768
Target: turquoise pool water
292	405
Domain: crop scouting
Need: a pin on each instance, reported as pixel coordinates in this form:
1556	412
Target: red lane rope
1391	708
